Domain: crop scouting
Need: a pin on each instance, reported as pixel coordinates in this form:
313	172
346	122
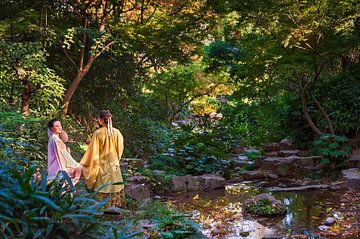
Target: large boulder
271	147
179	183
354	160
285	144
288	153
212	182
280	166
137	179
194	183
242	160
258	161
289	166
138	192
257	175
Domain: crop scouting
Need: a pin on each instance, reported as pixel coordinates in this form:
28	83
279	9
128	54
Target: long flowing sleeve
59	159
120	144
90	162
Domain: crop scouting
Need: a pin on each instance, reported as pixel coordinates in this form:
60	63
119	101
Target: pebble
323	228
329	221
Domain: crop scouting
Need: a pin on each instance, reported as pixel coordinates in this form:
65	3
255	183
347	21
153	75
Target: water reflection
220	212
288	220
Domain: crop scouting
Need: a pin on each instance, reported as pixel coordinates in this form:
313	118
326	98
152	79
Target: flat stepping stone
352	176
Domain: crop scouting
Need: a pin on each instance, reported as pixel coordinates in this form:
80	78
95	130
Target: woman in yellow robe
101	162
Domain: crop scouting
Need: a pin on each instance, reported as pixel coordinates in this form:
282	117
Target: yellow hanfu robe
101	162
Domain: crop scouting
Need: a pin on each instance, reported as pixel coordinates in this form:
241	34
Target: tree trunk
317	103
307	115
75	83
71	90
25	99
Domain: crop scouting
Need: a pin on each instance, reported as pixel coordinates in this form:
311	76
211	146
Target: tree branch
107	46
70	59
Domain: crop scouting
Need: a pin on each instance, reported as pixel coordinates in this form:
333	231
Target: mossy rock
265	205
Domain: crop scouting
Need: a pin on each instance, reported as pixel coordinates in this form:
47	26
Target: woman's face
56	129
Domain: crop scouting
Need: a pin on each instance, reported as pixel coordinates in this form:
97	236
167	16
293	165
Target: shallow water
220	213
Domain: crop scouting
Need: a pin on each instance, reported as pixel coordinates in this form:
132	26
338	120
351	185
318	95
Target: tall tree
293	46
153	31
23	72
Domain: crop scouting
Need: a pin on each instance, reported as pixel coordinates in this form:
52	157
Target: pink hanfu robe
59	159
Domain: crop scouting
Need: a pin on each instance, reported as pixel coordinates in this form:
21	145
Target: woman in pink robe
59	157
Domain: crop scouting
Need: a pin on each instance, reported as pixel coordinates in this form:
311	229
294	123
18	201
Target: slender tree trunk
317	103
75	83
25	99
82	71
307	115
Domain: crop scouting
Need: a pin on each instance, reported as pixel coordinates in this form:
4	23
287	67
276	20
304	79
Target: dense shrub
252	124
333	148
143	137
22	137
341	97
53	210
195	152
265	208
169	223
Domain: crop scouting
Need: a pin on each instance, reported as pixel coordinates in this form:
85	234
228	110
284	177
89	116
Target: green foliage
173	90
252	123
22	137
23	72
288	53
223	54
333	148
183	90
252	155
164	161
197	153
143	137
345	109
50	210
265	208
169	223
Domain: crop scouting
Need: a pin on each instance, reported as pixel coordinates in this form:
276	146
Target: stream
220	213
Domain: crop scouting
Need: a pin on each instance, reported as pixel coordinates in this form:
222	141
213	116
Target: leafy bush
143	137
54	210
23	69
265	208
201	152
252	155
169	223
22	137
333	148
344	110
251	124
195	151
164	161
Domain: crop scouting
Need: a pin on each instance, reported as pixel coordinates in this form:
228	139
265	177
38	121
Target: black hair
105	115
51	123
